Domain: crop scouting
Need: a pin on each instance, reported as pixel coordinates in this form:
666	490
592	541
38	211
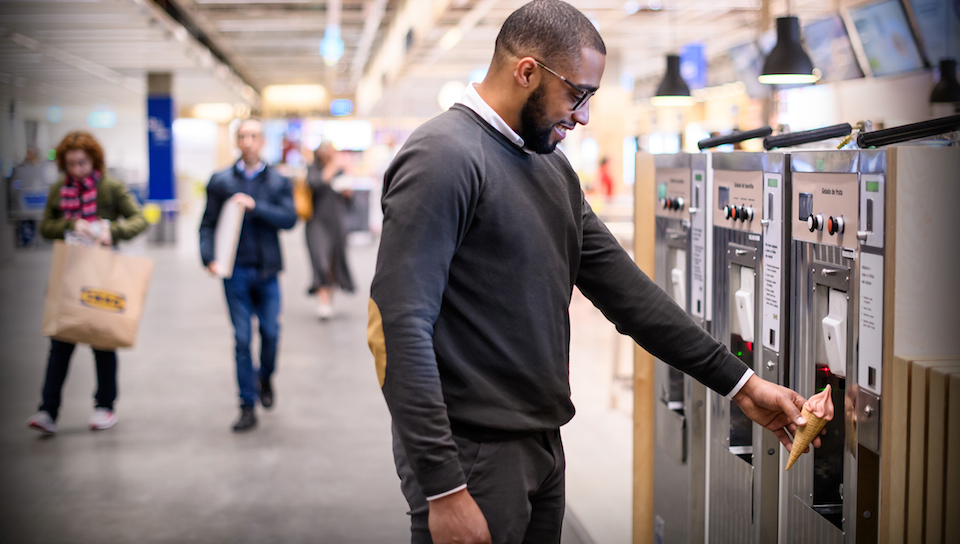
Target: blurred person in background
606	180
253	288
486	233
98	209
326	230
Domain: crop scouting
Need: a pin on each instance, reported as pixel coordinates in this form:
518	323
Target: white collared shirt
251	172
472	99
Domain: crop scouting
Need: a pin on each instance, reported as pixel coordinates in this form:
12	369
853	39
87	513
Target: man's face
250	141
548	112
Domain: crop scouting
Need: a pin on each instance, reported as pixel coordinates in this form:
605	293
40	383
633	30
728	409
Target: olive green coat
114	203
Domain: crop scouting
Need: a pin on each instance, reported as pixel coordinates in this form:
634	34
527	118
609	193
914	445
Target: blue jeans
249	293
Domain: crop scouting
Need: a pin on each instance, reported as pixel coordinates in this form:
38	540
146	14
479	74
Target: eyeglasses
585	94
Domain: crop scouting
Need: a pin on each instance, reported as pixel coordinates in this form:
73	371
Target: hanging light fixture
788	63
947	90
673	90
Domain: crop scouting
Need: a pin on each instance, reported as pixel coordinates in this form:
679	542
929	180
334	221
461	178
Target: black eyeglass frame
585	94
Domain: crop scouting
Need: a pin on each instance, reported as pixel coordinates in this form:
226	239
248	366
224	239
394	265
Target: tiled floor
318	468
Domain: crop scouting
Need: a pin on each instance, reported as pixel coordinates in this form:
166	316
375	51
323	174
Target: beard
535	129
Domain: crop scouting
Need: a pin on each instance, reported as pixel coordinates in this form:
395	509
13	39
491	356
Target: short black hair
550	30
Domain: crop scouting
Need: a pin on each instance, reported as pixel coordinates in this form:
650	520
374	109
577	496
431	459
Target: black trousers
518	485
59	362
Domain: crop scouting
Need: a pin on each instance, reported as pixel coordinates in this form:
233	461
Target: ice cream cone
817	411
805	434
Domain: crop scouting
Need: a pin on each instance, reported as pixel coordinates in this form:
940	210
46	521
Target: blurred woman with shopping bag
87	206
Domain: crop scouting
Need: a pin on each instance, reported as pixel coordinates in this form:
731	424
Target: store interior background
66	66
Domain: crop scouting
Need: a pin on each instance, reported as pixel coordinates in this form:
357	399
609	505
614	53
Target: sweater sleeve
429	199
132	222
280	212
208	224
640	309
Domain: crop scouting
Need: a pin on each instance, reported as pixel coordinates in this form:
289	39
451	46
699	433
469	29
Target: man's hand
456	519
213	268
774	407
245	199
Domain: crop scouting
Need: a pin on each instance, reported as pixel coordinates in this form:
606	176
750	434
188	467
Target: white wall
124	144
892	100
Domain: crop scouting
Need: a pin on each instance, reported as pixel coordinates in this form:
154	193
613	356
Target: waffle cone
805	434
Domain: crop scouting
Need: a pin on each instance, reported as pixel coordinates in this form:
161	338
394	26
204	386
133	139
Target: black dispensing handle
734	137
913	131
806	136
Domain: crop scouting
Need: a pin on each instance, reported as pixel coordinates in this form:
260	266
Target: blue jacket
259	245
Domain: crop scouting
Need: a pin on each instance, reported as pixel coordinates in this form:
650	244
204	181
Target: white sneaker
324	311
102	419
42	422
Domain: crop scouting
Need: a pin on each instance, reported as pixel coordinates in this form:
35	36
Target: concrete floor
319	467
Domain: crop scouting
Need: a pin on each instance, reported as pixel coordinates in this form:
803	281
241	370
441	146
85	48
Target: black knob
748	212
742	214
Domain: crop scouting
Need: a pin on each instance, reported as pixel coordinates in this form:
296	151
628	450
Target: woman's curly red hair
85	142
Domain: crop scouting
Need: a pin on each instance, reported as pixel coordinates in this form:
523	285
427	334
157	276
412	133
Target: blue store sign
160	141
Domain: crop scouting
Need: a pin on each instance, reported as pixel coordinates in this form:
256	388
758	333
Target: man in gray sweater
486	232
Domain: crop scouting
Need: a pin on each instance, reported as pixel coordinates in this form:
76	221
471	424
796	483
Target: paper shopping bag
95	296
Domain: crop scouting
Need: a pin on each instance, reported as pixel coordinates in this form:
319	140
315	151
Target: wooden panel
893	458
643	372
951	506
926	260
936	448
917	438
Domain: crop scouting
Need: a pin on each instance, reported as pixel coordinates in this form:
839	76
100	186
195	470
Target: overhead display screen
888	42
939	26
830	50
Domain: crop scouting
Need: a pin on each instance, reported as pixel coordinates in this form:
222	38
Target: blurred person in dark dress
326	229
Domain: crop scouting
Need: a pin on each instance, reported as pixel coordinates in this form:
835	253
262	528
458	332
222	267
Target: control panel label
871	209
698	245
737	200
772	260
673	193
871	322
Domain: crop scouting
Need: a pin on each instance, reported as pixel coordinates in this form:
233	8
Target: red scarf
78	197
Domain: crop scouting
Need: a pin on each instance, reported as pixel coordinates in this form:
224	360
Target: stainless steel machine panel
679	407
743	458
830	495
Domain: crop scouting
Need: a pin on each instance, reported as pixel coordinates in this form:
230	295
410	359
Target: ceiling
397	53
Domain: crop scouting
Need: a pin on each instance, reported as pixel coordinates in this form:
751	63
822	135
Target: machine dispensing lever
862	235
806	136
734	137
828	271
913	131
740	252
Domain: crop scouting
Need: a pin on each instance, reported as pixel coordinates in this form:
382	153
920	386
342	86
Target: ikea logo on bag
103	300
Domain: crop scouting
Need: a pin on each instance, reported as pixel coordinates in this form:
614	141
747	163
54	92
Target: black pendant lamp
947	90
788	63
673	90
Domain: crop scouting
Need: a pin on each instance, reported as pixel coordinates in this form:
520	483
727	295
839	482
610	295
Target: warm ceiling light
295	97
220	112
788	63
673	90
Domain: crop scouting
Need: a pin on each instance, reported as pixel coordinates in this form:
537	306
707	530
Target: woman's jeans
57	366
